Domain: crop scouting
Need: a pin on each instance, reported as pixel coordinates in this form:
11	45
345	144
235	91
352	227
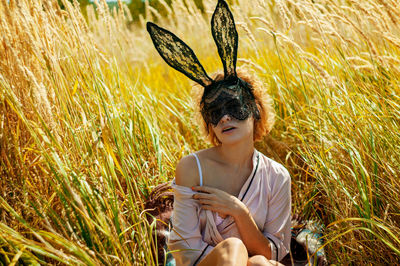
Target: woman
231	203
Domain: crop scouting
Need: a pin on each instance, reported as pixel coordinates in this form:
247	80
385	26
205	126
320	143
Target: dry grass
91	119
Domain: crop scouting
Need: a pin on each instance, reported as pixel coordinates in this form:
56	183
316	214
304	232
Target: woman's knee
258	260
233	243
230	251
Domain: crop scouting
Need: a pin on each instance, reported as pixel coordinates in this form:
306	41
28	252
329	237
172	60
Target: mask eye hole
213	110
234	105
214	113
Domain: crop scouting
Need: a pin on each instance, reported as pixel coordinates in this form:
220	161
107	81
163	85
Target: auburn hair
263	101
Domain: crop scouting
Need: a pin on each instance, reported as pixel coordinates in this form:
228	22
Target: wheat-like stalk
92	119
328	79
283	12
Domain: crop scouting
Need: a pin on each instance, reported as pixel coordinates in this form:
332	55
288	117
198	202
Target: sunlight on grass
92	119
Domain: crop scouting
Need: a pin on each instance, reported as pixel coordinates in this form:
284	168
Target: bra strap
199	166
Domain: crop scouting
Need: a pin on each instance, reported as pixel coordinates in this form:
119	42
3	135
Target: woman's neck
238	154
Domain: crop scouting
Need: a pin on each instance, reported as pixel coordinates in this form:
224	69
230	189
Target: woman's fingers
221	211
212	203
215	200
211	208
221	199
203	196
206	202
205	189
206	199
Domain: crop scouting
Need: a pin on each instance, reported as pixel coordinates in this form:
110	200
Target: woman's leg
229	252
260	260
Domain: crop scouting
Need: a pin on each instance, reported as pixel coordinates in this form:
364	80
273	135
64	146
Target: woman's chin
231	139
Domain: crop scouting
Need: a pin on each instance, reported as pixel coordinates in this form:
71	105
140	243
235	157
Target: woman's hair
263	101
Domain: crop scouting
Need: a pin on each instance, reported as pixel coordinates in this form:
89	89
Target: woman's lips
228	129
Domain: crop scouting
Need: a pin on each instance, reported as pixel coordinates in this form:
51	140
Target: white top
266	193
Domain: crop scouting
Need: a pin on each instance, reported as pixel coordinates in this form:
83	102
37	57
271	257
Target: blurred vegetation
136	7
92	119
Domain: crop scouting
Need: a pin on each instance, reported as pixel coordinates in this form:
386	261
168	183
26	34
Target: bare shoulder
186	173
207	155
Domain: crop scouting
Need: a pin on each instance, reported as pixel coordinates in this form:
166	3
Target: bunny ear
225	36
177	54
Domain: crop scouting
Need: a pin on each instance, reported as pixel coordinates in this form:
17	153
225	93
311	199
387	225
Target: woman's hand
219	201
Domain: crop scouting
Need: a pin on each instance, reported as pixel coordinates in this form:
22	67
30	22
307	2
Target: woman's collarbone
226	180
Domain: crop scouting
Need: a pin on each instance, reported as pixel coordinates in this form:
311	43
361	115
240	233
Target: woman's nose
225	118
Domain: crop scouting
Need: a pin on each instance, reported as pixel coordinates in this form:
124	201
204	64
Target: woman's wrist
241	210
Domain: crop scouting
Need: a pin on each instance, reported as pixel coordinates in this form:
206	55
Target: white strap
199	166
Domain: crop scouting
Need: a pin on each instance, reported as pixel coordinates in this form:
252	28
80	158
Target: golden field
91	119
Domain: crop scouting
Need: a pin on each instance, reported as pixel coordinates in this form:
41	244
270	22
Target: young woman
231	203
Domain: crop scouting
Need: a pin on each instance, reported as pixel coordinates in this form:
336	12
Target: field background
91	119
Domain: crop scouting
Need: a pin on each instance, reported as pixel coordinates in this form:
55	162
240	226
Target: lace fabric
177	54
232	95
226	37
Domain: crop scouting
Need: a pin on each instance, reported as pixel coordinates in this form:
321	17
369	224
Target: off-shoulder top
266	193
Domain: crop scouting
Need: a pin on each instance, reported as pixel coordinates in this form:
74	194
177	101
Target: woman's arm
226	204
254	240
277	225
274	240
186	173
186	233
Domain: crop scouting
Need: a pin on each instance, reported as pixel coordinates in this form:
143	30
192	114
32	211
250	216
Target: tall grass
91	120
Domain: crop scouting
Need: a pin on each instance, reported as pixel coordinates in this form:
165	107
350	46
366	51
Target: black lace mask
231	95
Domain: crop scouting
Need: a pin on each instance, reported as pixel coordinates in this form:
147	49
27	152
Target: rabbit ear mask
226	37
181	57
178	54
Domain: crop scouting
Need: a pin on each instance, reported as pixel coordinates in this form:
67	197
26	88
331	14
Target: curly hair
263	101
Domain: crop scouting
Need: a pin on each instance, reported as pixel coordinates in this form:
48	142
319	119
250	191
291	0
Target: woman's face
230	130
